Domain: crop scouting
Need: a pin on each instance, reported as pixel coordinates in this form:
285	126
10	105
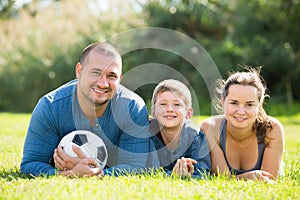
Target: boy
180	147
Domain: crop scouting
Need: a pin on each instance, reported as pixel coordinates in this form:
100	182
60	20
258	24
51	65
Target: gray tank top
261	149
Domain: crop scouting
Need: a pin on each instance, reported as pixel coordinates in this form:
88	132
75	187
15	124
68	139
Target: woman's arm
273	154
211	128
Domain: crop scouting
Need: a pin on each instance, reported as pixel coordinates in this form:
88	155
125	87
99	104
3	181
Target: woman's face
241	106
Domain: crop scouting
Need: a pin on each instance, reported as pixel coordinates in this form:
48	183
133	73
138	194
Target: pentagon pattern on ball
101	154
89	143
80	139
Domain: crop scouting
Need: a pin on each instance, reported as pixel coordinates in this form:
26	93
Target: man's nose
102	81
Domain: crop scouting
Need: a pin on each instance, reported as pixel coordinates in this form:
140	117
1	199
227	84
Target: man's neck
91	110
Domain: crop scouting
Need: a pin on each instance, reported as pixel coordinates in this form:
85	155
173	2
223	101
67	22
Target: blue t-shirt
122	127
193	144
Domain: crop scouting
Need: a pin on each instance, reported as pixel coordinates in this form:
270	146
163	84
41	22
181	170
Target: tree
7	9
241	32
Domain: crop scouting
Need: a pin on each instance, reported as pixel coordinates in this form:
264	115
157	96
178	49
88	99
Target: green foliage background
41	42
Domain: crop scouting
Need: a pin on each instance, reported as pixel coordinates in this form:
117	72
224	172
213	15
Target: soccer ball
89	143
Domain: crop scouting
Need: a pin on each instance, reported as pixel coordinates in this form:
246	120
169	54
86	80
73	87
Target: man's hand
86	167
65	162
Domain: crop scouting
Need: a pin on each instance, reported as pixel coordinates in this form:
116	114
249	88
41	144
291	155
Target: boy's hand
184	167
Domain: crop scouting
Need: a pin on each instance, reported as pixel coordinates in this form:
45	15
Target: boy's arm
200	153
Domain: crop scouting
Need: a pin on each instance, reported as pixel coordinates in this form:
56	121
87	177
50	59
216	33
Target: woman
244	141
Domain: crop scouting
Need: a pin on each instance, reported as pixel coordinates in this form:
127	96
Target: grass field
15	186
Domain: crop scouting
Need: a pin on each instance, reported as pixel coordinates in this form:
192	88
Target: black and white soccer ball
89	143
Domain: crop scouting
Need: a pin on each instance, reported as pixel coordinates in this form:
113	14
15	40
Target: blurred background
41	41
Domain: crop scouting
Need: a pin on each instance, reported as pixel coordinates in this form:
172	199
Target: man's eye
112	76
95	73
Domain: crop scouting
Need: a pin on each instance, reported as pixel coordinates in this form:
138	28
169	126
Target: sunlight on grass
14	185
13	124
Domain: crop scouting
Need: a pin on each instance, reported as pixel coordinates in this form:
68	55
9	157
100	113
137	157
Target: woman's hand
260	175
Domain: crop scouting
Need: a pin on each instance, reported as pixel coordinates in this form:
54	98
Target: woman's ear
189	113
222	102
260	108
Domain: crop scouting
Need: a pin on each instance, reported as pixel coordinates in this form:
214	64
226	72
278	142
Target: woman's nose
241	110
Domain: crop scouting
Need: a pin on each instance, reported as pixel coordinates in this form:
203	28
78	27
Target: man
97	102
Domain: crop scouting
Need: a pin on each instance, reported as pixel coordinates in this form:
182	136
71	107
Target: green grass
15	186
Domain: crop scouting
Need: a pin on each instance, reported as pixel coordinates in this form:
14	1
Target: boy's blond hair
180	89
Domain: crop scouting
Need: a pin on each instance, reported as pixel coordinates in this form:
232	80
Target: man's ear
189	113
78	70
121	76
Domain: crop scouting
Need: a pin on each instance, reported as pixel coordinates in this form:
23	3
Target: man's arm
40	142
132	155
133	146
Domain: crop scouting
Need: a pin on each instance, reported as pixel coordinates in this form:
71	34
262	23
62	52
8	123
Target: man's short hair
100	47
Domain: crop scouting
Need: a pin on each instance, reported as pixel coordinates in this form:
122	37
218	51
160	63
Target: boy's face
170	110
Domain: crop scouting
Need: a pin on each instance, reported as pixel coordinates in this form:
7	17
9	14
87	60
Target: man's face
98	78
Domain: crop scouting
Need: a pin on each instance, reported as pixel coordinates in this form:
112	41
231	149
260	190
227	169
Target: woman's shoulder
277	128
211	124
275	122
